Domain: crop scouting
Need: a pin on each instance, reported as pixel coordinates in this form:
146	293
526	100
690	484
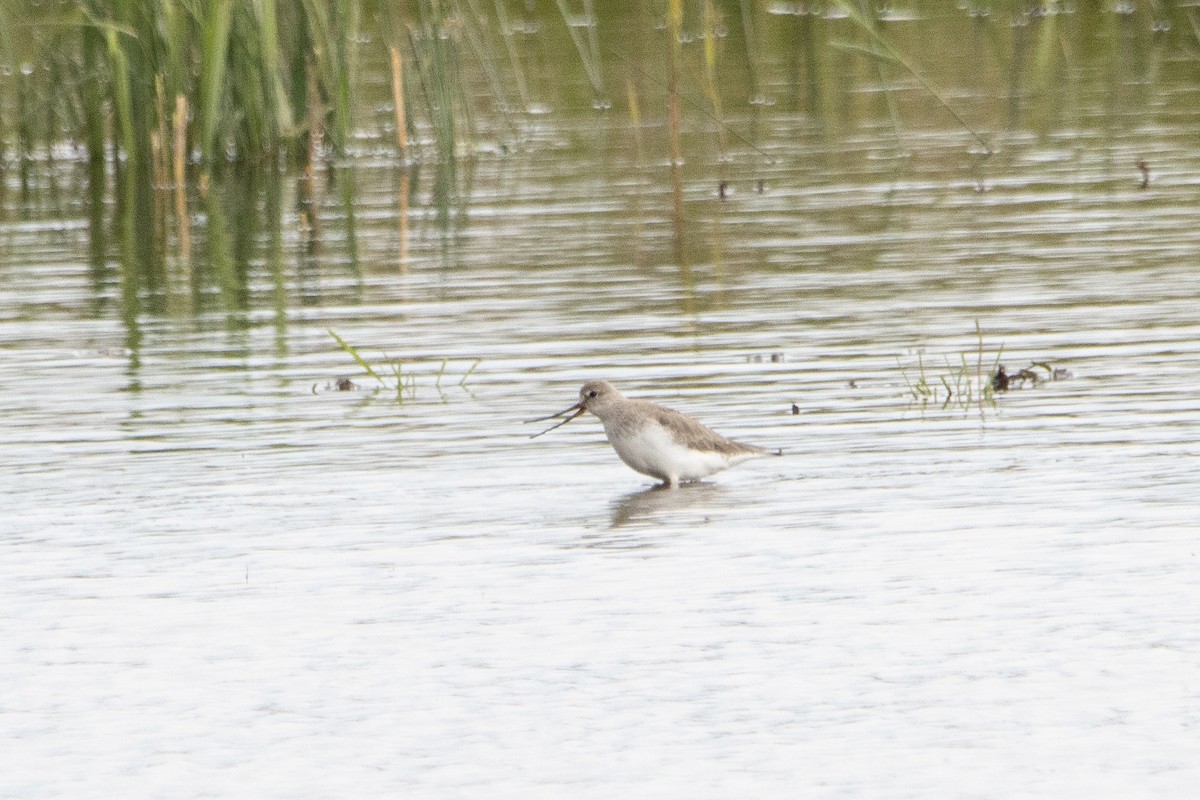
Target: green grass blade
469	371
216	24
354	354
871	29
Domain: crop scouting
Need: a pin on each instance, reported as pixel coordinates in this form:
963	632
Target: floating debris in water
339	384
1002	381
795	409
1144	168
758	358
724	189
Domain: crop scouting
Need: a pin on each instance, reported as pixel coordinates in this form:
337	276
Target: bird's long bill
566	410
577	408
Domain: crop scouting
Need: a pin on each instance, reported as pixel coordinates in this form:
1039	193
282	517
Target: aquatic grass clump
961	386
168	97
238	69
164	96
405	383
965	385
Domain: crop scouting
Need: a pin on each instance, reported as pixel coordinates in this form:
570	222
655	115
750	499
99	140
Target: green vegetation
189	108
962	385
959	386
190	114
973	379
405	383
180	82
227	80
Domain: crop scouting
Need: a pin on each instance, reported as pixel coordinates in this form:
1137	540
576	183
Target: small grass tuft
403	381
959	386
964	385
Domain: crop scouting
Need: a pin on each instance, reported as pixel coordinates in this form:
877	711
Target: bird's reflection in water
647	504
640	513
653	505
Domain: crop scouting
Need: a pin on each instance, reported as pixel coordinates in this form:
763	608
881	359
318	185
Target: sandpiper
653	440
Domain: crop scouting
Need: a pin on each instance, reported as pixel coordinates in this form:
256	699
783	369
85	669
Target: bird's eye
592	393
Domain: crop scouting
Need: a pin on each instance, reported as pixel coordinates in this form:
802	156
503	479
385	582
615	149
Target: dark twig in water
1002	381
1144	168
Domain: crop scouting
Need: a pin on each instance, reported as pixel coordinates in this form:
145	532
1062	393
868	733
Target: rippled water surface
220	576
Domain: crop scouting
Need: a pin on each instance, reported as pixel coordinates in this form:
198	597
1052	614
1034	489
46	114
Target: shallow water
222	577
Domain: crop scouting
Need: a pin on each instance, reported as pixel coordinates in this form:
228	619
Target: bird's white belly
651	450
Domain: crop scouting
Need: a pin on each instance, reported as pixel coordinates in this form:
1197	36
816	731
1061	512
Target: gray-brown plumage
658	441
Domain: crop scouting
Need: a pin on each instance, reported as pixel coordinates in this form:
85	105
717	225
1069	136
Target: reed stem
397	67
